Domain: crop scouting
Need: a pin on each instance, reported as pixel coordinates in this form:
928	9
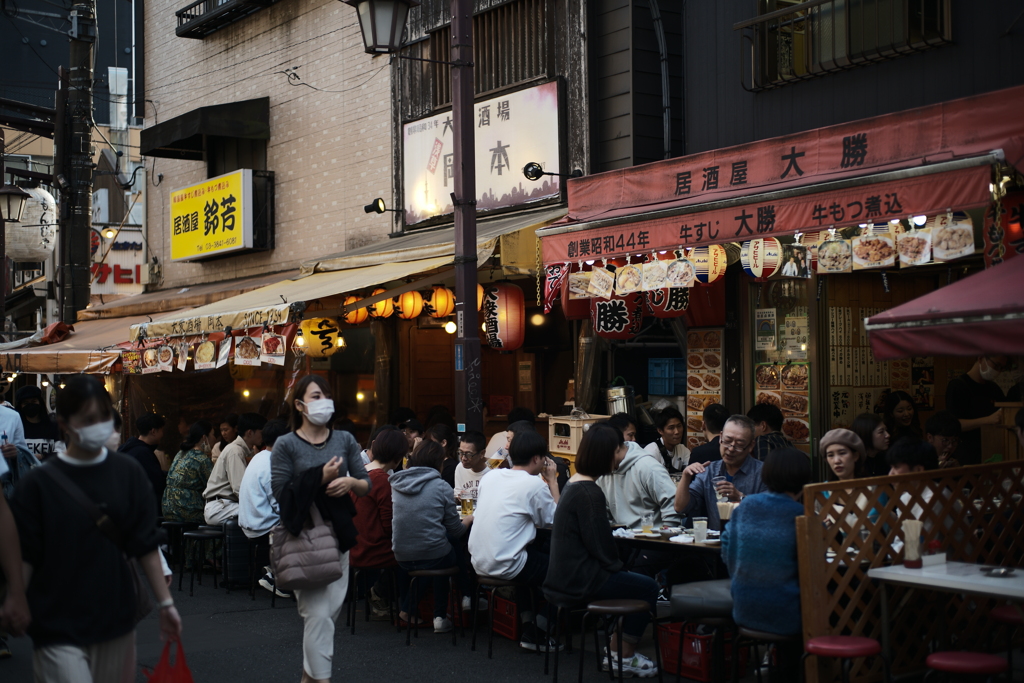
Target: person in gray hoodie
425	522
640	485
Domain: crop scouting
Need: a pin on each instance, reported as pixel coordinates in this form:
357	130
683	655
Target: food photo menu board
787	387
703	379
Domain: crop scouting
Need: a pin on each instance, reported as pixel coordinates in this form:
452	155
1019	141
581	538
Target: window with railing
792	40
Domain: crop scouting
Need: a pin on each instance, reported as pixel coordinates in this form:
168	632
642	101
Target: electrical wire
28	42
296	80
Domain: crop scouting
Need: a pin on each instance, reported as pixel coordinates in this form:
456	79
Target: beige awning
431	243
272	305
91	348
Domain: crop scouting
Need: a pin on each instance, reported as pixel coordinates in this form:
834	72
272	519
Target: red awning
983	313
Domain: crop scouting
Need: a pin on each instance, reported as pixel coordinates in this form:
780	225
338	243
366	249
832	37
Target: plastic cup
716	482
700	529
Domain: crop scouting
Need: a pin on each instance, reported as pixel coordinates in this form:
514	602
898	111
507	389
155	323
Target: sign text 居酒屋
213	217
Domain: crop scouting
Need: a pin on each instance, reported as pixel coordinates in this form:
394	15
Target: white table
950	577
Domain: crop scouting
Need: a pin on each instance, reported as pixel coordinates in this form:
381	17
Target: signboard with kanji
511	131
212	218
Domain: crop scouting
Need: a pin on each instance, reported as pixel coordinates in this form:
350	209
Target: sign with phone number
212	218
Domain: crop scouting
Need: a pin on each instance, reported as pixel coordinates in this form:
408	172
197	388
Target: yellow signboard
212	218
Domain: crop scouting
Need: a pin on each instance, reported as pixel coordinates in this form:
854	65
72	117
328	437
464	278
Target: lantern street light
12	203
382	23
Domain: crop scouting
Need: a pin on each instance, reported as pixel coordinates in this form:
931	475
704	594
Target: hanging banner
553	277
964	188
511	131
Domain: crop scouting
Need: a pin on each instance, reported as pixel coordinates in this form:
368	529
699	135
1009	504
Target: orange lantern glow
321	337
381	309
442	302
504	316
409	305
357	315
479	296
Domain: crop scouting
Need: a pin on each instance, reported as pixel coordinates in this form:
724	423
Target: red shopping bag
165	672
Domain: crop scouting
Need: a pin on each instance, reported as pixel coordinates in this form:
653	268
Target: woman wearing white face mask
81	592
314	456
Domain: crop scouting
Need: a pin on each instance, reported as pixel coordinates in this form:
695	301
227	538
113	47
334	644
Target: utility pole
468	400
75	243
3	249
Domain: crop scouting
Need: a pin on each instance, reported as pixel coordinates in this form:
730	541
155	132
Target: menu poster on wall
786	386
922	375
796	338
131	362
764	329
703	379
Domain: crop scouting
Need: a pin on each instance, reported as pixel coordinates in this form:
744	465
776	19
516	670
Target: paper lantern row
408	306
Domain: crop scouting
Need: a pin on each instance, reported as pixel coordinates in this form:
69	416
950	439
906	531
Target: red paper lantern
670	302
354	316
619	317
504	316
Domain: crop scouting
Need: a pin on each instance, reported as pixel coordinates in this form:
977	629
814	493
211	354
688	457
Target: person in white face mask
221	492
315	465
80	586
972	398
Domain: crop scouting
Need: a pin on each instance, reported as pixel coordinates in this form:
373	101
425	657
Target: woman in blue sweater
759	548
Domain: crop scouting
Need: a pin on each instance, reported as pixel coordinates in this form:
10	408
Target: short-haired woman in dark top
80	587
585	564
312	444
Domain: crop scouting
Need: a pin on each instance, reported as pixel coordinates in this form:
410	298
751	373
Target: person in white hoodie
640	485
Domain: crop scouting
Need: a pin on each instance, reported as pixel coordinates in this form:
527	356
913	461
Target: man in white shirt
473	458
512	503
669	449
222	488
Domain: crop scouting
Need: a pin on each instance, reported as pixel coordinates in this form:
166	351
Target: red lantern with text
504	316
409	305
619	317
381	309
354	316
668	302
442	302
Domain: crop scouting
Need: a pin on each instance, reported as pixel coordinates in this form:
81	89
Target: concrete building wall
330	147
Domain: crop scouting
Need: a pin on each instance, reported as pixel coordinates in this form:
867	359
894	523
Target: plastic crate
696	655
506	618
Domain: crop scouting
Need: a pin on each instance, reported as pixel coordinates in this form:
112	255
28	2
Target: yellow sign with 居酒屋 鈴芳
212	218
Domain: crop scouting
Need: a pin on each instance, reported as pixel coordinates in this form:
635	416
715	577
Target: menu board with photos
703	379
787	387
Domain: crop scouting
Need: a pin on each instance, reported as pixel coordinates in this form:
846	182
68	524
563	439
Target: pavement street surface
229	637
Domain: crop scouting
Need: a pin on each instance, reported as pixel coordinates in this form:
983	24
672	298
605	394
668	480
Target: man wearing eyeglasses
942	431
737	473
473	465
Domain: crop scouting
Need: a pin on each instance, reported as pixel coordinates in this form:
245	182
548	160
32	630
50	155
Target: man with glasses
734	476
473	459
942	431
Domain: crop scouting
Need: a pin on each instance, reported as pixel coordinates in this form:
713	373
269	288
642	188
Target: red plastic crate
696	654
506	618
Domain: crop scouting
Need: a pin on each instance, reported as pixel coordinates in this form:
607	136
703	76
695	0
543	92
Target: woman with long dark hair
81	590
875	437
441	434
900	416
188	475
313	456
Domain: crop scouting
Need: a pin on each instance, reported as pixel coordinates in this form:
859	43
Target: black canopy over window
185	136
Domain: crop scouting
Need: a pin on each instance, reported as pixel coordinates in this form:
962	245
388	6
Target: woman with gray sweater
312	444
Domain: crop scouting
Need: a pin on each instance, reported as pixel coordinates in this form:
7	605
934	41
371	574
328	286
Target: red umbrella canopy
981	314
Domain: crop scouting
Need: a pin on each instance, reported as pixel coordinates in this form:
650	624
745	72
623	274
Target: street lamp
382	23
12	203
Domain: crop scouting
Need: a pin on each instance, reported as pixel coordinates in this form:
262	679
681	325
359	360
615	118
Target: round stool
846	648
199	537
453	592
1011	615
618	610
350	613
174	529
488	583
708	603
753	637
976	663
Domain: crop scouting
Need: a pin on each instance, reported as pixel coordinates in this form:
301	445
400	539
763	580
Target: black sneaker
268	582
532	638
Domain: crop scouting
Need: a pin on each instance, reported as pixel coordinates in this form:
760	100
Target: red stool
972	663
846	648
1011	616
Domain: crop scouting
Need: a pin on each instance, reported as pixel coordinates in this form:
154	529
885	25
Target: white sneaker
638	665
467	604
442	625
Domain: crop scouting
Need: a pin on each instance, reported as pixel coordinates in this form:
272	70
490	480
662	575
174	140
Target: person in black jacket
584	564
143	449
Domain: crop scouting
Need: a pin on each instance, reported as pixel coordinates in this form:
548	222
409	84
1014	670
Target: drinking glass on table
700	529
717	482
647	522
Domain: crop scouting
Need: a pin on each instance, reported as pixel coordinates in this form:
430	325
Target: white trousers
220	510
319	609
105	662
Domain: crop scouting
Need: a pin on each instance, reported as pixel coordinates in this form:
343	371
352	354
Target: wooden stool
753	637
452	573
709	603
350	612
965	663
619	610
846	648
200	537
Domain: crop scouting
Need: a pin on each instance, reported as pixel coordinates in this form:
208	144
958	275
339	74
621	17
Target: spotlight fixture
534	171
109	233
378	206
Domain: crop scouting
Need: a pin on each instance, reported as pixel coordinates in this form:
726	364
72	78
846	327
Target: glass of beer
647	523
467	506
724	513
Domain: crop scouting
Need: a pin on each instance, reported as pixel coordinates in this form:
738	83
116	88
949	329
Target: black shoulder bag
143	602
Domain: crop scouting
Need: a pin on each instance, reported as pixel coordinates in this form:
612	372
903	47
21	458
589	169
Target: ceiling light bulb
109	233
360	396
245	393
920	220
536	319
450	327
